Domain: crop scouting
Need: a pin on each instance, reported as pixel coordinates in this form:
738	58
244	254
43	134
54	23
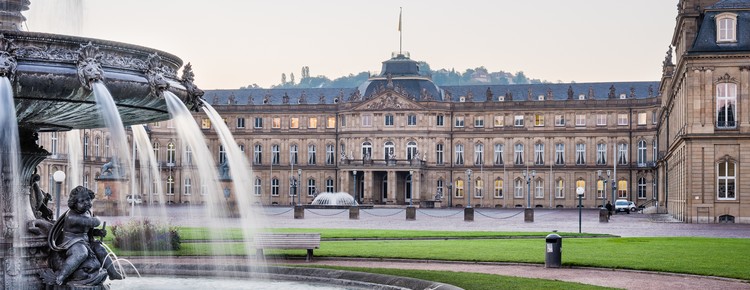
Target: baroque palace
398	139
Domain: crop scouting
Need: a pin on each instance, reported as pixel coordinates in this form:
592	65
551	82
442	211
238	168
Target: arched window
366	150
642	188
498	188
518	160
622	189
459	154
726	180
726	105
726	27
411	150
389	150
478	154
641	152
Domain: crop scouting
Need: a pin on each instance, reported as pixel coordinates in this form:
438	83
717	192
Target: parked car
632	207
624	205
134	198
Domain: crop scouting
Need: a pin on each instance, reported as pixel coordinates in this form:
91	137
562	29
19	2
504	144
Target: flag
399	19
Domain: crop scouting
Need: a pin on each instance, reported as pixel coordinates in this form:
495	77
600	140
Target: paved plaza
545	220
485	219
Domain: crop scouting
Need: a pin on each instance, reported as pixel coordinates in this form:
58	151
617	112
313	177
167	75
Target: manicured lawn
703	256
474	281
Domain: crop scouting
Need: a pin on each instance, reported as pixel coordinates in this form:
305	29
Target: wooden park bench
307	241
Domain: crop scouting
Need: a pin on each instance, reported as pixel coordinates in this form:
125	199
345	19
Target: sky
235	43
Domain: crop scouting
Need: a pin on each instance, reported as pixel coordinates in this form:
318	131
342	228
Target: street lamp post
356	197
580	192
299	179
528	185
468	195
450	194
528	213
59	177
468	210
411	187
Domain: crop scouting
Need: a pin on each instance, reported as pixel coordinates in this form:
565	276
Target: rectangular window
276	123
258	188
343	121
653	117
580	154
439	154
726	180
275	187
538	120
580	120
559	154
293	151
294	122
622	189
459	121
478	188
479	122
411	120
518	154
622	119
258	122
312	123
330	154
726	105
622	153
459	154
518	189
257	154
518	121
331	123
311	154
499	154
205	124
240	122
275	154
726	31
388	120
539	188
499	188
600	189
367	120
459	188
499	121
479	154
440	121
329	185
601	119
559	120
642	118
601	154
559	189
539	154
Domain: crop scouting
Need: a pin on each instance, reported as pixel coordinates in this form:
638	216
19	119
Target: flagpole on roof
400	33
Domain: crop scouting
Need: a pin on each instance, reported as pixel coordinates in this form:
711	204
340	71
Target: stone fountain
51	77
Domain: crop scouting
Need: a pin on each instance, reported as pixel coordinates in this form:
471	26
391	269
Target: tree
292	78
520	78
283	79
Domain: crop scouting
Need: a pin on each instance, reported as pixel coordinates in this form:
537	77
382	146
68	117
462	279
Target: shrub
139	235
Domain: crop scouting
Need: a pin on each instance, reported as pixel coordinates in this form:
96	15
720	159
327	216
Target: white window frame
622	119
498	157
440	153
459	154
726	93
580	120
518	121
560	154
559	120
539	188
560	188
726	27
723	181
538	120
642	119
478	154
641	156
518	156
538	154
478	122
518	188
580	154
258	186
622	154
601	154
459	122
642	188
366	120
240	122
498	188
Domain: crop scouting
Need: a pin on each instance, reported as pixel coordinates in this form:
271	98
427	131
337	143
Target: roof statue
570	92
611	94
488	95
285	99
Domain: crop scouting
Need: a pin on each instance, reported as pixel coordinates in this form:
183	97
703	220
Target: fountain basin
337	279
49	94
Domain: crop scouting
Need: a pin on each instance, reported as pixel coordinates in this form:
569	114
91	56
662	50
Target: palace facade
398	139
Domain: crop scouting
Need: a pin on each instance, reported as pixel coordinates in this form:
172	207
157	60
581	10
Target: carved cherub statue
76	258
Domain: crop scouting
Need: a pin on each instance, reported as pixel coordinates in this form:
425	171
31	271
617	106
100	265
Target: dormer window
726	27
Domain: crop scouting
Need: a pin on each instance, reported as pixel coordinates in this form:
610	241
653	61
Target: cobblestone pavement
545	220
